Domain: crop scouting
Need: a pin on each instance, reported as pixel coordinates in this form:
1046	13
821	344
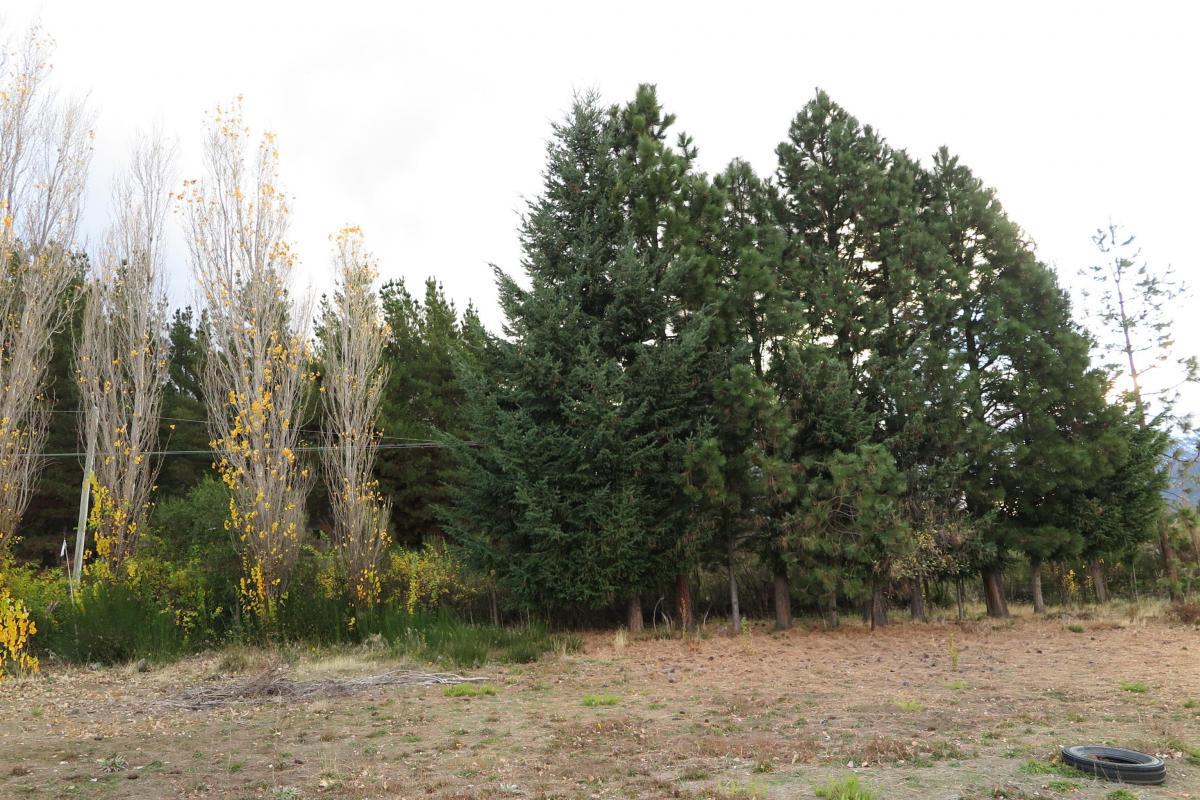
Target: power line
205	422
413	445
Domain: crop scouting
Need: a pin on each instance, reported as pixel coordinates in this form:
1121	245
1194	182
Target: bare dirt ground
761	715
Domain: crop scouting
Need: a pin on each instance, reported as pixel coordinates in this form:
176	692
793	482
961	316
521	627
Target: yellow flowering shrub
425	578
15	630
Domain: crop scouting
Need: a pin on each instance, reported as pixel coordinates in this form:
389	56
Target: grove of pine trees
855	372
849	385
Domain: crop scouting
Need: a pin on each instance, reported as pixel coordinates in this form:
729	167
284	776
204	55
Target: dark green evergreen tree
1027	386
851	208
54	507
183	426
583	412
423	399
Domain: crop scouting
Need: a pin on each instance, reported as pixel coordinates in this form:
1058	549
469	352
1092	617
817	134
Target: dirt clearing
915	711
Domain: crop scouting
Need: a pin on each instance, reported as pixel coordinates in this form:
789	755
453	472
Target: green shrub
41	592
110	624
170	604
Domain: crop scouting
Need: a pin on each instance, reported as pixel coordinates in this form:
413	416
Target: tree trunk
916	602
783	601
1099	584
735	611
1035	585
1168	558
494	607
993	593
683	601
878	608
960	599
634	616
831	610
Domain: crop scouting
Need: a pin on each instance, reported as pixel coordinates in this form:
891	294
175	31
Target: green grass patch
1121	794
1062	786
748	789
592	700
1075	627
1137	687
1038	768
1034	767
956	684
1191	753
909	704
469	690
847	788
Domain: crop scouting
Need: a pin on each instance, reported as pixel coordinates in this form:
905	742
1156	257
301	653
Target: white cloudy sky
425	124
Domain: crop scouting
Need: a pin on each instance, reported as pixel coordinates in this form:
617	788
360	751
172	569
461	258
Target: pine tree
671	221
422	400
1135	328
851	208
1124	508
737	475
1027	388
574	499
183	424
55	502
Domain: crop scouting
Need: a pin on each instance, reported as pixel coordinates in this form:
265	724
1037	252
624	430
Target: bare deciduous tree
256	366
352	341
121	357
45	150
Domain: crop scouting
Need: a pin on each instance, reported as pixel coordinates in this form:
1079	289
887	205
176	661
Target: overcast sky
426	125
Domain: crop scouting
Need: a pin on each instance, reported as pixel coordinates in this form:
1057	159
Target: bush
179	594
1187	612
109	623
425	578
41	592
15	629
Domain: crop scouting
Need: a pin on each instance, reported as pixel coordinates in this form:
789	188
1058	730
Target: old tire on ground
1116	764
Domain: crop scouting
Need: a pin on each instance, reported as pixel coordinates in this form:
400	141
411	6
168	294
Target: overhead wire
401	443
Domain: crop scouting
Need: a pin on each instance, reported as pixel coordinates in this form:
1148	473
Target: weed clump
846	789
1186	612
469	690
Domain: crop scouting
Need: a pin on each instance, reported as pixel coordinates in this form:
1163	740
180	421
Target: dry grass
762	715
273	685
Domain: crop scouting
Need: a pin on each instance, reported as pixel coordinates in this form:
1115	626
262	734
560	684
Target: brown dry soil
761	715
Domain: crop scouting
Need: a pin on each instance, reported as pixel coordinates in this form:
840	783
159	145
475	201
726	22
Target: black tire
1116	764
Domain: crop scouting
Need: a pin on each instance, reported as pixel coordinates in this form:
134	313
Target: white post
84	495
